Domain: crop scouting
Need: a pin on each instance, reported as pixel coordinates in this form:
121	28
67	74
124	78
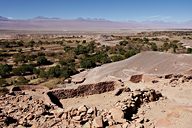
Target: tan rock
111	122
74	112
137	93
77	118
115	126
82	109
65	115
117	114
58	112
83	114
97	122
78	80
125	125
87	125
90	110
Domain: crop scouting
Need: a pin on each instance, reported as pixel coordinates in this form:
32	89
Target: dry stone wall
83	90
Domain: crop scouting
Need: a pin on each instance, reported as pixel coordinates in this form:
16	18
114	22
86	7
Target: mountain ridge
54	23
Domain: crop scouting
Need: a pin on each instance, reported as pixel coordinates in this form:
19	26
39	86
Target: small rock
87	125
115	126
137	93
77	118
65	115
125	125
83	114
169	76
118	91
111	122
82	109
90	110
155	81
58	112
117	114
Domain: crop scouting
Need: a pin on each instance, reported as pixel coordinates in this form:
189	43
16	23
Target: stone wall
84	90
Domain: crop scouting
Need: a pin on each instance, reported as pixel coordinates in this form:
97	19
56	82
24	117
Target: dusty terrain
160	98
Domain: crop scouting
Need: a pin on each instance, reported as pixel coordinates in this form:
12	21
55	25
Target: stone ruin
27	111
83	90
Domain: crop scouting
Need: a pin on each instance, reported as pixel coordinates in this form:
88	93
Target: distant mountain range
3	18
57	24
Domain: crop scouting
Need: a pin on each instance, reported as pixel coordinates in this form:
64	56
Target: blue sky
117	10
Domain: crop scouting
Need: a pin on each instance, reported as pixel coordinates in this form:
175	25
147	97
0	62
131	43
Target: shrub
43	74
67	62
174	45
67	71
102	58
189	50
165	46
59	71
123	43
5	70
31	43
30	57
154	46
21	80
3	82
42	60
19	58
87	63
3	91
23	69
40	54
115	58
54	71
67	48
80	49
130	53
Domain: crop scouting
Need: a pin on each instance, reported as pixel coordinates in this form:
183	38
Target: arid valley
94	80
95	64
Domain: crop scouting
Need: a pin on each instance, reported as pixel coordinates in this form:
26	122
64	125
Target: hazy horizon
124	10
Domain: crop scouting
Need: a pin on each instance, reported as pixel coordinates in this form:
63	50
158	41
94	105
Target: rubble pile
23	110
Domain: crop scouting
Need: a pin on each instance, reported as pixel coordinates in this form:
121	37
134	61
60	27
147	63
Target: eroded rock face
84	90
